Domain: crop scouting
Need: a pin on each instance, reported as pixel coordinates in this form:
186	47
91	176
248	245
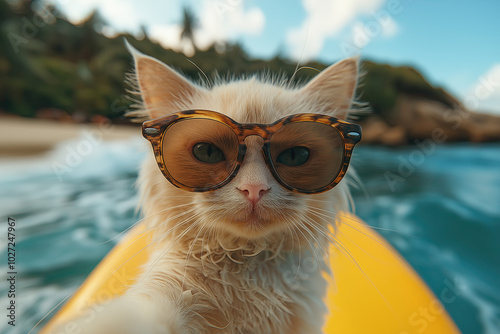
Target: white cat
242	228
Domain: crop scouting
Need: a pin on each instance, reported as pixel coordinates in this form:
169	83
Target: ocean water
438	206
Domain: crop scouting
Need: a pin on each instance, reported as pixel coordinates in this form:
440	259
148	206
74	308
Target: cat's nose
254	192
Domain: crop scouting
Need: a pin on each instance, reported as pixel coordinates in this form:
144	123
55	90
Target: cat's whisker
302	51
300	252
396	254
319	200
294	229
328	222
367	235
322	230
144	233
341	221
210	84
355	182
379	228
332	220
188	255
331	237
394	231
353	260
209	323
133	256
141	220
174	241
364	250
350	217
301	226
195	240
51	311
323	210
393	252
178	224
202	251
165	222
212	231
289	231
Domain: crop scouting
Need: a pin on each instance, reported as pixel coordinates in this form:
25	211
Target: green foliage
384	83
55	64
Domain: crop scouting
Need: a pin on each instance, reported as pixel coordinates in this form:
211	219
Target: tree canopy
46	62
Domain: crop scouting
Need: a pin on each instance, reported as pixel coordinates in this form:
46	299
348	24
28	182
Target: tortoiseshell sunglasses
202	150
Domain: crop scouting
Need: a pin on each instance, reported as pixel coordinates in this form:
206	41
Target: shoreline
26	137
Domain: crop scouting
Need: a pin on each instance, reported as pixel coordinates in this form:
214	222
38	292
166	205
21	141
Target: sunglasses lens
200	153
307	155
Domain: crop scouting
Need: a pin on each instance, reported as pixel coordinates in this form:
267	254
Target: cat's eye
294	156
209	153
306	153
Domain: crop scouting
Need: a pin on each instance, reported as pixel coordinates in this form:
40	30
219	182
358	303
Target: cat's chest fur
244	294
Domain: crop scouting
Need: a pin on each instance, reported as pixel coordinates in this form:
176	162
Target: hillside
407	109
50	68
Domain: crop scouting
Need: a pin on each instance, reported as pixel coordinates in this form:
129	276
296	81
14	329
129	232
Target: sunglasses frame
154	130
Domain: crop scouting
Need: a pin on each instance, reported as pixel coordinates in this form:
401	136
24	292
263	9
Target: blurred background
429	162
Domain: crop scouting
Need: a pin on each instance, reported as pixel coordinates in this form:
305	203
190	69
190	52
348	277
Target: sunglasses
202	150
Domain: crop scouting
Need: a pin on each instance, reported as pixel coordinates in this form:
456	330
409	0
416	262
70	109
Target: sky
455	44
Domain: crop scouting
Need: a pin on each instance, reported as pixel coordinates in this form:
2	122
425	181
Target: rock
378	132
417	118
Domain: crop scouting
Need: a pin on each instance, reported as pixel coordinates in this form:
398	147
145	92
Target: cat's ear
334	87
163	90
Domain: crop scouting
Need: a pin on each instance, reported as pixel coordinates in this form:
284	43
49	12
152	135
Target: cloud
120	14
217	22
168	36
389	28
225	20
485	94
325	19
363	33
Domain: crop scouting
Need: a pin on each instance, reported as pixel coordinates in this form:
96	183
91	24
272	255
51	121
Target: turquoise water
441	210
439	206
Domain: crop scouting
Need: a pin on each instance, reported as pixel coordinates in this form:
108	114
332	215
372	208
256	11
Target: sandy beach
24	137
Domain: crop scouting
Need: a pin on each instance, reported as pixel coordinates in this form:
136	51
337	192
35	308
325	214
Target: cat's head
253	206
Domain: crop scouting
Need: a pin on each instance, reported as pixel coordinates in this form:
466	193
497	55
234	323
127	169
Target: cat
249	256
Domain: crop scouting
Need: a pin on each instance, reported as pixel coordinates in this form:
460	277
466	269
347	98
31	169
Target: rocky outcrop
416	118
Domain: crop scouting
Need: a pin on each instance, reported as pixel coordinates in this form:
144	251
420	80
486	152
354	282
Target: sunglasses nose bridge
250	133
251	130
253	141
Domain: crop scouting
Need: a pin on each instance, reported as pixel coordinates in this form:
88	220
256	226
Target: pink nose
254	192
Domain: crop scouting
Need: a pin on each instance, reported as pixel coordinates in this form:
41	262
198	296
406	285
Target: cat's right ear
163	90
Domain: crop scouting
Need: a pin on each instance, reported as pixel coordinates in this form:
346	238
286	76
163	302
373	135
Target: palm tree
188	25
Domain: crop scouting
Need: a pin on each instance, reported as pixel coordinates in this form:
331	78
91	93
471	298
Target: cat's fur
217	266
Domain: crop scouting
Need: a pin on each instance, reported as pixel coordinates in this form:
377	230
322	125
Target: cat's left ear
334	87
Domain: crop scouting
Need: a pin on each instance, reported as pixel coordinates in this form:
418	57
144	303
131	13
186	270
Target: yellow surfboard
373	289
